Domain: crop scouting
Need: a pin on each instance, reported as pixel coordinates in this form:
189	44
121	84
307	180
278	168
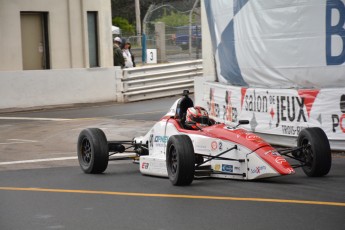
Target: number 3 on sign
151	55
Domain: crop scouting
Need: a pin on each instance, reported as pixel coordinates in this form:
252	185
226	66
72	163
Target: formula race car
171	149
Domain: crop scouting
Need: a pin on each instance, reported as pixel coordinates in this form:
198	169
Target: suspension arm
218	156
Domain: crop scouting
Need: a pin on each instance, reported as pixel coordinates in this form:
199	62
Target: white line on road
17	141
21	140
38	160
34	119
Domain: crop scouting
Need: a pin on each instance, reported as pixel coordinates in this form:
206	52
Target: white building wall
67	32
70	80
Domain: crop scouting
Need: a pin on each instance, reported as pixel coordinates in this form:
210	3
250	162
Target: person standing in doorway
118	57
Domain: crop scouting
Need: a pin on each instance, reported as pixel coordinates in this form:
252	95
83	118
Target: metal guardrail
157	81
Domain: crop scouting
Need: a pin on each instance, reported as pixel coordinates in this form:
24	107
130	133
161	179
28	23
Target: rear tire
316	152
180	160
93	154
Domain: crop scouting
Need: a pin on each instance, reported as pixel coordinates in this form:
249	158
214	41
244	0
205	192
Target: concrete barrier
156	81
37	88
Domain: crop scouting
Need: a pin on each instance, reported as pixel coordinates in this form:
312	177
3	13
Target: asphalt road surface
42	186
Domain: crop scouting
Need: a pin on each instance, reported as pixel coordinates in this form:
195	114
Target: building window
93	38
35	41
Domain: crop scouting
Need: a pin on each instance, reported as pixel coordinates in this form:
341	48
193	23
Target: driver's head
198	115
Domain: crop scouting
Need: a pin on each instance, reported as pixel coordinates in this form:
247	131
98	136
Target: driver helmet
197	114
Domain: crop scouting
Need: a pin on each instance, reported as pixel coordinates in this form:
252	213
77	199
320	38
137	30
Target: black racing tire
93	154
316	152
180	160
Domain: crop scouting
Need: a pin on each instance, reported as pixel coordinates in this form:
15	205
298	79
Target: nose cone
274	159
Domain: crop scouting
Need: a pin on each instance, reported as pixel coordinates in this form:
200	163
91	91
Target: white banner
280	43
279	111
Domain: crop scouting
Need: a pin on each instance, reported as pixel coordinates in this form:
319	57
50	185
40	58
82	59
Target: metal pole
190	27
147	16
143	49
138	21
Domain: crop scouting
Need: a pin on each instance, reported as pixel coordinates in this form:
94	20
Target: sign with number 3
151	55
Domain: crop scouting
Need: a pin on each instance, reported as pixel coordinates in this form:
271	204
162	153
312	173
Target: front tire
180	160
316	152
93	154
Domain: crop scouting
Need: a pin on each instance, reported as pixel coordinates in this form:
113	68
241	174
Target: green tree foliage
126	8
174	19
124	25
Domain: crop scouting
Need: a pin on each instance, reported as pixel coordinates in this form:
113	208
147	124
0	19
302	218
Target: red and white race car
171	150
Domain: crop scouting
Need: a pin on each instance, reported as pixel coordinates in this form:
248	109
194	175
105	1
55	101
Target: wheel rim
86	151
173	160
308	155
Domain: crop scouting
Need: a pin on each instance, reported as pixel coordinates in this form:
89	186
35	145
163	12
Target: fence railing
156	81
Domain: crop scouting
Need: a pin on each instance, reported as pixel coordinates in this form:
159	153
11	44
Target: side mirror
242	122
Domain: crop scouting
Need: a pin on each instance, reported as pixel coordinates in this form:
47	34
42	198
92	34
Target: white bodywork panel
246	165
252	166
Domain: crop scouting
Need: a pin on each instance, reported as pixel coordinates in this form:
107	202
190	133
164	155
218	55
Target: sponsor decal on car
258	169
163	139
214	145
291	170
145	165
217	167
240	133
252	137
160	141
227	168
200	147
272	152
220	144
280	160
